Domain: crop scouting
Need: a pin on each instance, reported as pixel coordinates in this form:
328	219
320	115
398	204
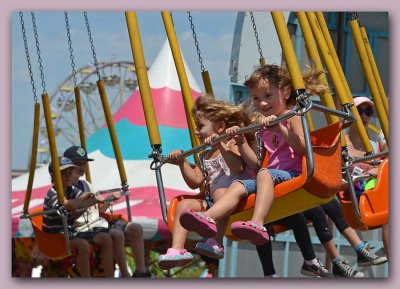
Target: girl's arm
244	149
191	174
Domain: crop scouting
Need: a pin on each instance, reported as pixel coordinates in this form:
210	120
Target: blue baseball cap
76	153
64	163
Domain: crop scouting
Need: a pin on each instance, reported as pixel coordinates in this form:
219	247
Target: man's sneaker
315	270
366	257
341	268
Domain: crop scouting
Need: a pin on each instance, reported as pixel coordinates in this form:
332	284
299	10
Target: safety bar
304	104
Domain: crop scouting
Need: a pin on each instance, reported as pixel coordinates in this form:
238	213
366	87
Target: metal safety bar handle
244	130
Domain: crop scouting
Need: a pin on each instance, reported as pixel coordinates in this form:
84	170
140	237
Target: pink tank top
281	155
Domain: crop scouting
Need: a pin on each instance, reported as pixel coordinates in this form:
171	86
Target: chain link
256	34
38	51
71	51
207	186
196	43
354	16
172	19
28	59
96	64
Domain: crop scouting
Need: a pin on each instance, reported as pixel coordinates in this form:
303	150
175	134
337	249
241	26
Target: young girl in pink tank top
272	95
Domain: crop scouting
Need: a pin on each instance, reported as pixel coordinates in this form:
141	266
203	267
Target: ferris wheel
120	81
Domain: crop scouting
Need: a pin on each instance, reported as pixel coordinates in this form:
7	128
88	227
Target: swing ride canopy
135	147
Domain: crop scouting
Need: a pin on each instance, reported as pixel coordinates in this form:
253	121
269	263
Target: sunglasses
368	111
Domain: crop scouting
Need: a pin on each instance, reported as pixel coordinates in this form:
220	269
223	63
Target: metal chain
257	134
172	19
202	156
28	59
256	34
91	44
71	51
38	51
354	16
196	43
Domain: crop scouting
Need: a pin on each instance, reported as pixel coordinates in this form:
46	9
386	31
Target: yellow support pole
53	149
313	56
319	18
32	167
362	53
375	71
143	80
81	126
183	80
335	71
111	130
207	83
290	56
288	50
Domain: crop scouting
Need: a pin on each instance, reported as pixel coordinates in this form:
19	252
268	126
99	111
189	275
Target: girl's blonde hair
280	77
219	110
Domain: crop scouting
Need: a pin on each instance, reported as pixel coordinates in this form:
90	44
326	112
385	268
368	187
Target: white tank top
219	174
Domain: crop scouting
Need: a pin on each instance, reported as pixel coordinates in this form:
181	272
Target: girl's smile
268	99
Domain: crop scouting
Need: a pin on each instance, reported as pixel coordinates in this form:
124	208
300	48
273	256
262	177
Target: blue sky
214	32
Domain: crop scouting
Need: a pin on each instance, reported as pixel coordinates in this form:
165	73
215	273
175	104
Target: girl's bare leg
228	202
179	234
264	197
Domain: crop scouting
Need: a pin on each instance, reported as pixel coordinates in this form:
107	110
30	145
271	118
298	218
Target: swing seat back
295	195
51	245
373	204
348	211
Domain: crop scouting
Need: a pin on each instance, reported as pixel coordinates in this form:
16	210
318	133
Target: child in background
75	199
133	232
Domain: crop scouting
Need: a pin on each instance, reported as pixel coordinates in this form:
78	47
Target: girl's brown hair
280	77
218	110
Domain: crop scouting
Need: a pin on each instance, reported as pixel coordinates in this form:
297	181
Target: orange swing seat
373	204
295	195
51	245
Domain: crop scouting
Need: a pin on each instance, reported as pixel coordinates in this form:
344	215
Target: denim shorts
278	176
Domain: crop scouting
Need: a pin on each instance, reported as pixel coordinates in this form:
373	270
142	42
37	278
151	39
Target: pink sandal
174	258
197	222
210	248
250	231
